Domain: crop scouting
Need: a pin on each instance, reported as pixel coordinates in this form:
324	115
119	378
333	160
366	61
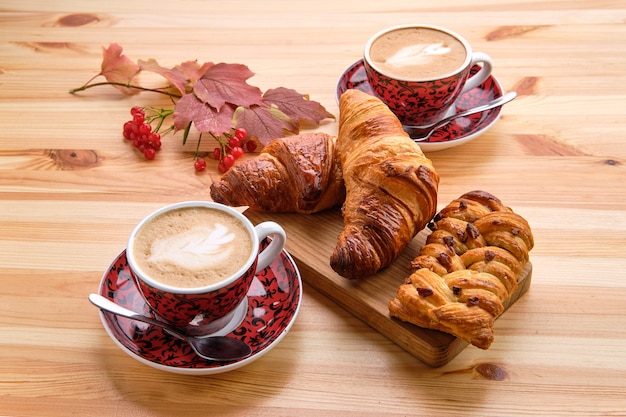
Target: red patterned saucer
273	303
455	133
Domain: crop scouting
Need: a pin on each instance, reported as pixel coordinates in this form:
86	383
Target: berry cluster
147	140
139	132
231	147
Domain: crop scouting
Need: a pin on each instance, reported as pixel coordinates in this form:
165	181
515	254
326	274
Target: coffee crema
192	247
417	53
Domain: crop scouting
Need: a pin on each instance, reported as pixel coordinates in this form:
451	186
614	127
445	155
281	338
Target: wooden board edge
432	347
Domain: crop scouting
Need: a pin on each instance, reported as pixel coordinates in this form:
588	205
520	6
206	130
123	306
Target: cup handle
276	246
482	75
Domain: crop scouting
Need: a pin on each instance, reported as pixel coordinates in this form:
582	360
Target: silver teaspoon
215	348
420	134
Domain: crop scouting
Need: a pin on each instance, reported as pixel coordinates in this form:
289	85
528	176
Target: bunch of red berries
231	147
147	140
139	132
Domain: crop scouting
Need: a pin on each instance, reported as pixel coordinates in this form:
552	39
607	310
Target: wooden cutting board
311	240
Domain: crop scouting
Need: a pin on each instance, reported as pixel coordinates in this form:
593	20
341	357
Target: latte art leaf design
196	248
414	54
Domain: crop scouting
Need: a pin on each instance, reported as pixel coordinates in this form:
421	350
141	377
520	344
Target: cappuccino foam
192	247
417	53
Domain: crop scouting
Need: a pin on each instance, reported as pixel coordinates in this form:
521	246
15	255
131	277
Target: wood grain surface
71	190
368	298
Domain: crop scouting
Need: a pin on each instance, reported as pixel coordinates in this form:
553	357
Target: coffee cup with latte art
195	261
419	71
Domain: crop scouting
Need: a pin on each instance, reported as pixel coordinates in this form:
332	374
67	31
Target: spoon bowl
421	134
215	348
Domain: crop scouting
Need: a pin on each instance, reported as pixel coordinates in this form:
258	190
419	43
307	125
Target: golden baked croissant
292	174
391	187
469	266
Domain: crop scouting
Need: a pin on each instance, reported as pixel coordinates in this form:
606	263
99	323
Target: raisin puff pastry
469	266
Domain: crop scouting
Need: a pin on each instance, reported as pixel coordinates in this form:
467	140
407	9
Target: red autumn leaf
182	76
226	83
193	70
118	68
204	117
264	123
174	76
295	105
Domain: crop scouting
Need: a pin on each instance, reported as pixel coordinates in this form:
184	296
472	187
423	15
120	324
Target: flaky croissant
469	266
298	174
391	187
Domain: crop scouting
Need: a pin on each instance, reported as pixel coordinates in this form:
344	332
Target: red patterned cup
419	71
195	261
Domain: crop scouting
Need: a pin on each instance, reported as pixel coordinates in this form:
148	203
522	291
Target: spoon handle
495	103
108	305
419	134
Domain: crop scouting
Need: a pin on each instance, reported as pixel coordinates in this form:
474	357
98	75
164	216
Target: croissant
469	266
298	174
391	187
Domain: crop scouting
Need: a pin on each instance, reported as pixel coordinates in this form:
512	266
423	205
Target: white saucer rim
206	371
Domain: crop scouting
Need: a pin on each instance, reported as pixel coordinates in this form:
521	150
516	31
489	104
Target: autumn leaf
264	123
214	98
226	83
295	105
193	70
182	76
204	117
118	68
174	76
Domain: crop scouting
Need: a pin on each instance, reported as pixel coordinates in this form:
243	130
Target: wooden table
71	190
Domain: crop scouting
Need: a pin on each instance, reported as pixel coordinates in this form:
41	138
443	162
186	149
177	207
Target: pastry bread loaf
297	174
469	266
391	187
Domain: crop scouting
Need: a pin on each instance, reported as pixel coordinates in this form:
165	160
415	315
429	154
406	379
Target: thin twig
131	86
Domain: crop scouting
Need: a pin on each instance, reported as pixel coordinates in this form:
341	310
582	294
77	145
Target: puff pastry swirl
469	266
